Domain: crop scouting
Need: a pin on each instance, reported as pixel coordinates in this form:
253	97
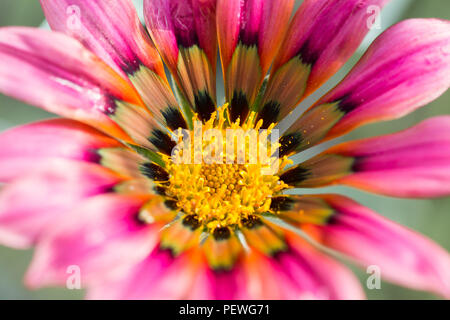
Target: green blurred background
430	217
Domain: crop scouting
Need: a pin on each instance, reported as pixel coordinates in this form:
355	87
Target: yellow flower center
224	194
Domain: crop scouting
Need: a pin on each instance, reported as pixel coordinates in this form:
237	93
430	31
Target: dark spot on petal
204	105
357	164
251	222
221	233
191	221
183	23
333	219
110	106
239	107
171	204
281	204
130	65
269	114
281	253
248	38
163	252
162	141
160	190
346	104
222	270
138	220
289	143
154	172
174	118
295	175
307	55
92	155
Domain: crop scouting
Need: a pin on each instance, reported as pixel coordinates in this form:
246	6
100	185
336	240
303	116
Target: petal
58	74
250	33
383	85
69	80
159	276
263	237
122	160
295	209
339	284
31	146
411	163
289	268
402	255
109	28
185	35
141	126
157	210
30	204
181	235
299	273
102	236
321	38
222	252
220	284
135	186
112	30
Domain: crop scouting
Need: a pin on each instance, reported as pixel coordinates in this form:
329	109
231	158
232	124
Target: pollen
223	177
224	193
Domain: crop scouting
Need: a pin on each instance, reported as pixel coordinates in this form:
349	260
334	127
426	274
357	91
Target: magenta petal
174	23
402	255
112	30
102	236
56	73
109	28
30	146
159	276
412	163
185	34
327	33
322	36
221	285
385	83
303	273
31	203
253	22
250	33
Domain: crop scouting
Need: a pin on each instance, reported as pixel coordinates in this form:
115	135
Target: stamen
222	196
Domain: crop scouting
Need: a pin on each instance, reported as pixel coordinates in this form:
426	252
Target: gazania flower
99	188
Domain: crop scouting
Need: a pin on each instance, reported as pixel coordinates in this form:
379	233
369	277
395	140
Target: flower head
156	190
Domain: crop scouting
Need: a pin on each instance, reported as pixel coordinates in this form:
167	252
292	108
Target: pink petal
31	146
159	276
321	38
185	35
174	23
102	236
252	22
112	30
109	28
220	285
30	204
402	255
58	74
384	84
300	273
249	33
340	284
411	163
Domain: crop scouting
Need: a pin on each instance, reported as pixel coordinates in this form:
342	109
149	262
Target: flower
99	188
